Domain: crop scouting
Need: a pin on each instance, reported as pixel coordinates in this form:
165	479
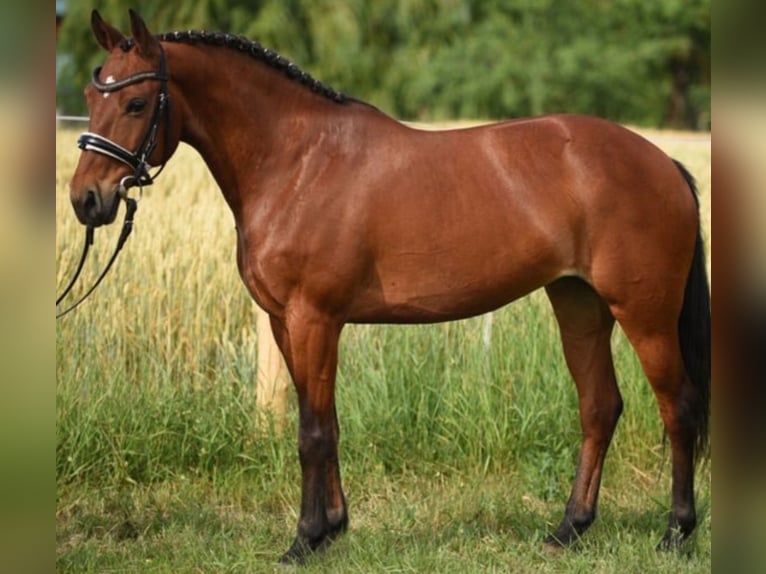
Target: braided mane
257	51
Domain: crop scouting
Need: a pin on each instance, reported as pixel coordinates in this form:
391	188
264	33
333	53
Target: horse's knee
315	443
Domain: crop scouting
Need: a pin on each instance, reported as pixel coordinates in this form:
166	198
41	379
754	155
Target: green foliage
640	61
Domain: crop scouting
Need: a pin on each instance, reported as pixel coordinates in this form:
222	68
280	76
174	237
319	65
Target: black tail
694	334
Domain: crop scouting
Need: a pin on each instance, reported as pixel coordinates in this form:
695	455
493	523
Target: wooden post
272	380
486	331
486	339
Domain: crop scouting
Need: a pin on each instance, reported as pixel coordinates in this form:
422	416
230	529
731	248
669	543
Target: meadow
457	455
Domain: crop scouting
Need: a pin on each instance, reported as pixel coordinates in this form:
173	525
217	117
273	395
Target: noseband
137	160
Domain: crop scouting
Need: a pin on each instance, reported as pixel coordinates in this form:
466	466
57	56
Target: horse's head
130	121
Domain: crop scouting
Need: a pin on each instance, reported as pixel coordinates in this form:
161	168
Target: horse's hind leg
586	326
657	346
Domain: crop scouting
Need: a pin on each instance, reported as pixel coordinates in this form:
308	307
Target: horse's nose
90	204
87	206
95	206
95	199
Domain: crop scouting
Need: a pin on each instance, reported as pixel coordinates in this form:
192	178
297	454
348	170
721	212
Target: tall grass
155	390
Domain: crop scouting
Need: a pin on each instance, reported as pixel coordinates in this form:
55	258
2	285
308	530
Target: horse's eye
136	106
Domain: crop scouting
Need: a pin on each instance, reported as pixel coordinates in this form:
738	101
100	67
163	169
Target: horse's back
473	218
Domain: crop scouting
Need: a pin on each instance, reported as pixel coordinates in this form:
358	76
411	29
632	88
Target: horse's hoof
565	536
672	540
302	548
297	554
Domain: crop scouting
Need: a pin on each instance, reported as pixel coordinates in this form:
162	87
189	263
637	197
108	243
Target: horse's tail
694	334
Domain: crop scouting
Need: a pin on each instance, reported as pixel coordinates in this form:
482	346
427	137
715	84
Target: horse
345	215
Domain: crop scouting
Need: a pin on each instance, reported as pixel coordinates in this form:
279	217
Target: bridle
137	160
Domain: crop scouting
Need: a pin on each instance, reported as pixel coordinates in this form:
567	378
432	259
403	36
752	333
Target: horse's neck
243	116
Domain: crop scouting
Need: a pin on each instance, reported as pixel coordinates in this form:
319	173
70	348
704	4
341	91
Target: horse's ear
106	36
147	44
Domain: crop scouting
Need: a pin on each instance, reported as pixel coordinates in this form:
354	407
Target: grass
457	457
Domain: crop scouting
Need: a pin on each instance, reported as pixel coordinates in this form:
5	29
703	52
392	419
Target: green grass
456	457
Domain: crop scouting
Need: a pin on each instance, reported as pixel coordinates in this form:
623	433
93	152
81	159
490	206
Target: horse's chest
264	274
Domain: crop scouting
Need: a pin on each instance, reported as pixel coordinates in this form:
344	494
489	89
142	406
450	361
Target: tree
640	61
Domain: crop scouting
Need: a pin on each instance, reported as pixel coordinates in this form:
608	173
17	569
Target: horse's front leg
309	342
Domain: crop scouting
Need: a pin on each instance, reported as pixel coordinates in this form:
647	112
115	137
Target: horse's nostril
91	202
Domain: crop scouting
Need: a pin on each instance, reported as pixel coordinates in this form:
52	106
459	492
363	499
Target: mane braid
256	50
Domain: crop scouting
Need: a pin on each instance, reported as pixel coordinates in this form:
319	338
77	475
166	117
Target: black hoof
678	531
297	554
552	540
672	540
557	541
303	548
567	534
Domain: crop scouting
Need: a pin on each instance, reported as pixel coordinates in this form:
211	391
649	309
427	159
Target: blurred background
643	62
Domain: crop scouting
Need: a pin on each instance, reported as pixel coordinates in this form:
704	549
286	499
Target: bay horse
344	215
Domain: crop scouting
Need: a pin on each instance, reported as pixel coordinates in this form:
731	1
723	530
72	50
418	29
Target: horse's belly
425	289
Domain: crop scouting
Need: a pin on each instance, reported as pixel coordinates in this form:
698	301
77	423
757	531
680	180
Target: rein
127	227
137	160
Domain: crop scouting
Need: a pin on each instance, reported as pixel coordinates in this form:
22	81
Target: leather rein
137	160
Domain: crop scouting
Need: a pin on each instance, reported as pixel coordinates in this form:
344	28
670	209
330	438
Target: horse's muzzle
95	207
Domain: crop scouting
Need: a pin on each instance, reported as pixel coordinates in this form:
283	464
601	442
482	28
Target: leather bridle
137	160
